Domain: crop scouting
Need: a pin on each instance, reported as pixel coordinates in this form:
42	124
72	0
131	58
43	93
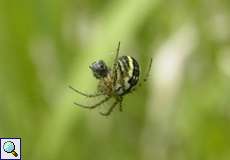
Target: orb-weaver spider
115	82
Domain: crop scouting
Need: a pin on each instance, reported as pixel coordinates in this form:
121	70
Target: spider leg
145	77
85	94
93	106
115	62
117	54
110	109
148	70
120	105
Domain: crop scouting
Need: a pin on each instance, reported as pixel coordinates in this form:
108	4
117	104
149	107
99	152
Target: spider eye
100	65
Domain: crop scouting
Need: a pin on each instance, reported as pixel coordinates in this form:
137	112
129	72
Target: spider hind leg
110	109
118	100
146	76
148	70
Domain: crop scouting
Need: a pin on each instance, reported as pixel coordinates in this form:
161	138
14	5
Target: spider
116	82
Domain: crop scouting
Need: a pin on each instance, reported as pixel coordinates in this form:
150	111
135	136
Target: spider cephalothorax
115	82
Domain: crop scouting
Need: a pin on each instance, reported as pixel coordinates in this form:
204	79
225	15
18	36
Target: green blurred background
181	113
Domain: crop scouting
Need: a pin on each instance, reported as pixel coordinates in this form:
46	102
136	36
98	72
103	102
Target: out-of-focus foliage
182	112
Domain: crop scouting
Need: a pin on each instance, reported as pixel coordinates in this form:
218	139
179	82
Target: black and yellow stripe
126	74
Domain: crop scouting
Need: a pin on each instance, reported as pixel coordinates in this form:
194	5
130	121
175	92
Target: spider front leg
93	106
85	94
115	62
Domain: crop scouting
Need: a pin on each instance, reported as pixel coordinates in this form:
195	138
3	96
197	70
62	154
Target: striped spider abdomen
126	75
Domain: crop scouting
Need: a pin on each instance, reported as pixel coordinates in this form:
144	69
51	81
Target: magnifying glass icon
9	147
